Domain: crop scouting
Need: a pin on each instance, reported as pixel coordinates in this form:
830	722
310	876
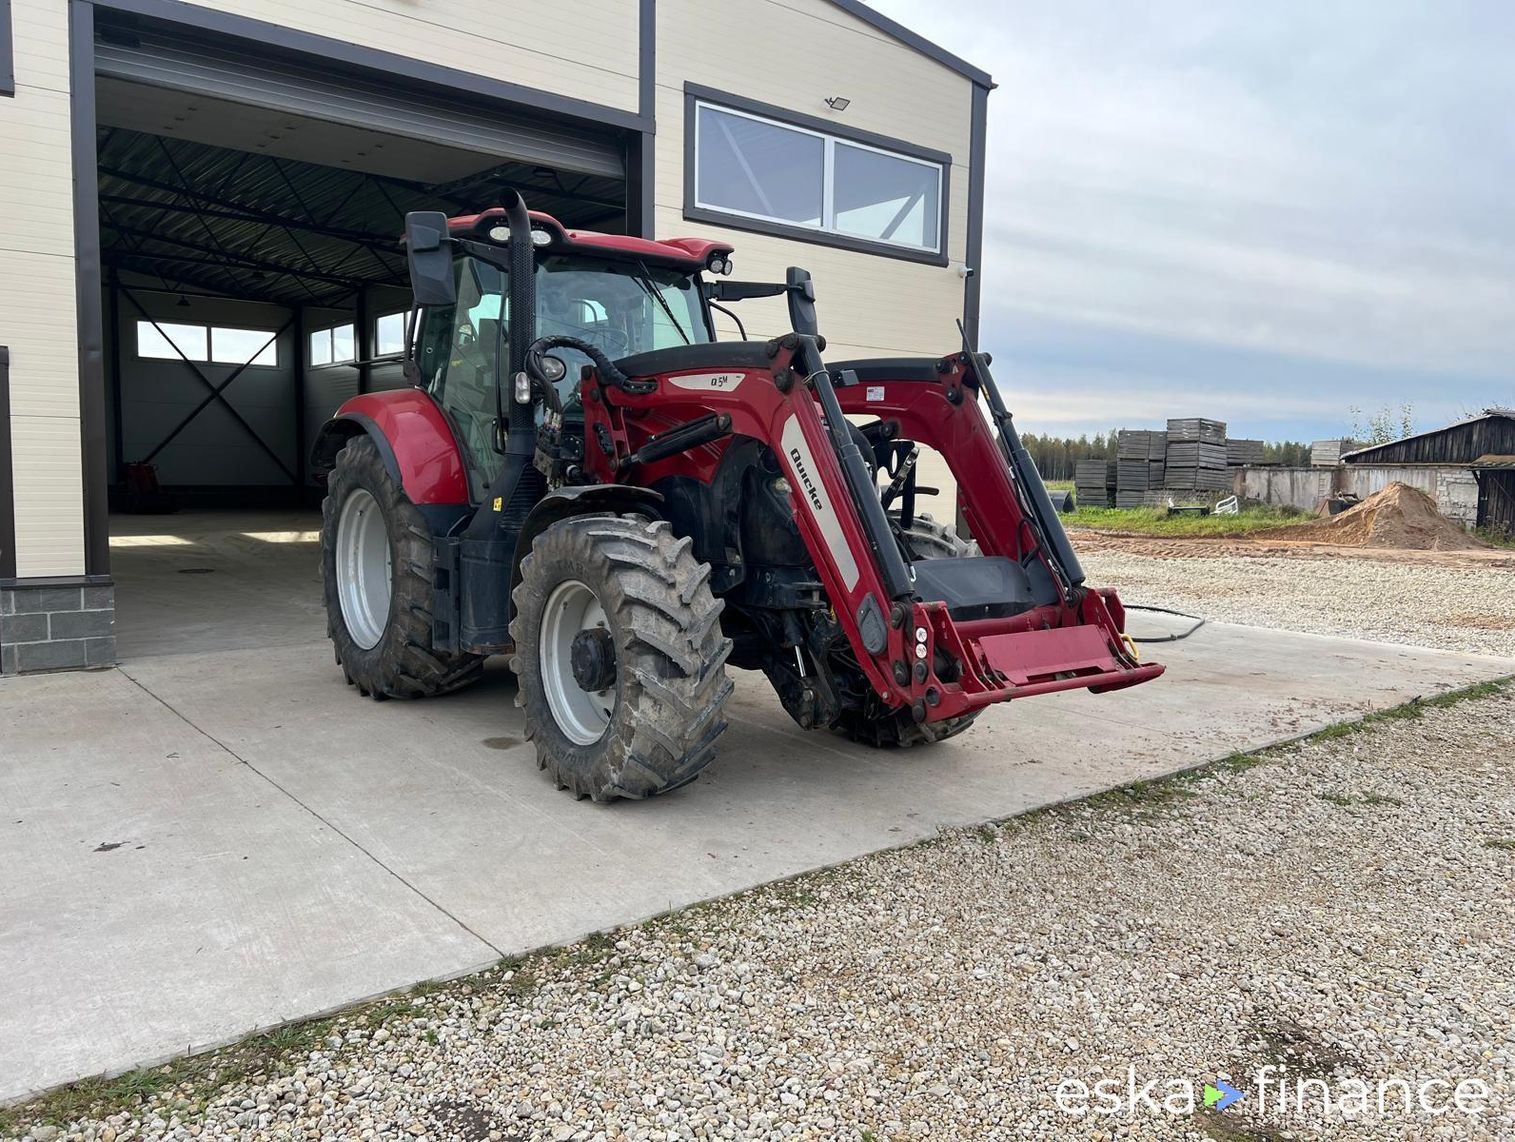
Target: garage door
200	68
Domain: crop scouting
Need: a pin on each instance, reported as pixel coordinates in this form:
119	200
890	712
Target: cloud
1327	183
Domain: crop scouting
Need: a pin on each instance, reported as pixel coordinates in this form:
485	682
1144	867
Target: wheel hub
577	662
592	654
364	568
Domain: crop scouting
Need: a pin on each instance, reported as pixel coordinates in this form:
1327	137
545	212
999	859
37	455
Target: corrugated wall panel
586	50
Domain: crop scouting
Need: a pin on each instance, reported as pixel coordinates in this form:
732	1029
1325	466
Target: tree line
1056	456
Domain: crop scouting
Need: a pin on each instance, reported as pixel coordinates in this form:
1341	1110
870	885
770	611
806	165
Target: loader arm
896	614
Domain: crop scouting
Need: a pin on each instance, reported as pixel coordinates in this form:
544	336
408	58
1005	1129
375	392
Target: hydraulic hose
603	364
1198	622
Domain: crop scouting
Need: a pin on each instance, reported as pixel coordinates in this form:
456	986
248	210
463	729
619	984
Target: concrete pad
411	816
446	793
160	896
216	580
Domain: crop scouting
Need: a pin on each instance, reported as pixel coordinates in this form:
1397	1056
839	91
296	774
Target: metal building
200	199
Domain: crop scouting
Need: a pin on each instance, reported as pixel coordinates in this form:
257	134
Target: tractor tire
896	729
619	601
932	540
376	575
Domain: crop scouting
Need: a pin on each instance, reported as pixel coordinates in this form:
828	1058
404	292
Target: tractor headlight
552	368
522	388
499	233
541	238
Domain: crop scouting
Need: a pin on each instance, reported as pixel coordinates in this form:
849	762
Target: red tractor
582	477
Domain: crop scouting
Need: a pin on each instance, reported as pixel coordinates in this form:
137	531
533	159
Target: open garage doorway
251	281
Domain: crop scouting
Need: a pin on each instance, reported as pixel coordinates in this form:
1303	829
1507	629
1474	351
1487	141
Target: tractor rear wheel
619	656
890	729
376	573
932	540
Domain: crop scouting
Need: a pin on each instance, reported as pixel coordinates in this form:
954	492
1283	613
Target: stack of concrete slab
1239	452
1094	483
1327	453
1140	467
1197	455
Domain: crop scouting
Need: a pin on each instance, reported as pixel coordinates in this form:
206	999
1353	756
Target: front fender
413	438
591	499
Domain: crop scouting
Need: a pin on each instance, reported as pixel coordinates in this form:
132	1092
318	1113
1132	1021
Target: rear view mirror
429	258
801	302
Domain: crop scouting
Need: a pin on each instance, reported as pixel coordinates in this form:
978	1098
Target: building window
333	346
751	166
216	344
389	335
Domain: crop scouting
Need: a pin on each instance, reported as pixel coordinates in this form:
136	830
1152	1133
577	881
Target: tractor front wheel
619	656
376	574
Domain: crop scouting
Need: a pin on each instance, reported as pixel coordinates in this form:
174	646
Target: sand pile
1399	516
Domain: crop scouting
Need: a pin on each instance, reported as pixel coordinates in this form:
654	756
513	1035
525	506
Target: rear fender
413	438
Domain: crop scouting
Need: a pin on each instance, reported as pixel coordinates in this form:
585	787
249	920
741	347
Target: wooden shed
1483	445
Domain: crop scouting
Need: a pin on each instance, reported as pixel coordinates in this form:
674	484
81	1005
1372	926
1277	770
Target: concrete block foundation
53	625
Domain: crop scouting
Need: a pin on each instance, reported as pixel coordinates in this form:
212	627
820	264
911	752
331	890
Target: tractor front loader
582	477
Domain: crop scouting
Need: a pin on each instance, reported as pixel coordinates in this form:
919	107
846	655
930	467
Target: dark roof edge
918	42
1492	413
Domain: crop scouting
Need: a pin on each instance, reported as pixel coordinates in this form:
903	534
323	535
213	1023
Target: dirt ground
1243	547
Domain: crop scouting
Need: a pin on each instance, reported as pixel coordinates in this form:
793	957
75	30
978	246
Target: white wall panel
876	305
36	187
869	304
39	321
587	52
38	308
49	495
39	33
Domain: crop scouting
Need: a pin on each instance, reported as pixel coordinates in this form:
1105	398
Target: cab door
462	356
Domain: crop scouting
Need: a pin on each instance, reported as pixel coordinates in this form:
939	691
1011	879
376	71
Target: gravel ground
1343	909
1471	610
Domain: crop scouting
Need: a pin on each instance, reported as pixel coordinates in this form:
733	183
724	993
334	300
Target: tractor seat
975	586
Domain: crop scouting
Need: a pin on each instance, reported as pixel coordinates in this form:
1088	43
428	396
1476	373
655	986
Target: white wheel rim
365	568
582	715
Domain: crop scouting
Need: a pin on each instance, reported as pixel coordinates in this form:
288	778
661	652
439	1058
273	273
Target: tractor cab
621	295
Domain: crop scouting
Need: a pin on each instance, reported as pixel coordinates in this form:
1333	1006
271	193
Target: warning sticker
875	392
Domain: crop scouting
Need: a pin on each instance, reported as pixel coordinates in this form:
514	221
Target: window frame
209	328
394	354
332	362
696	95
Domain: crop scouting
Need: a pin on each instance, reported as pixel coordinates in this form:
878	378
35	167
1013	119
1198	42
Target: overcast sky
1261	211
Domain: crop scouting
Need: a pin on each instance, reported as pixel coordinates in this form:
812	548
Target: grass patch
1157	521
1347	801
1222	1127
1411	710
1504	844
194	1079
1497	538
1168	792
